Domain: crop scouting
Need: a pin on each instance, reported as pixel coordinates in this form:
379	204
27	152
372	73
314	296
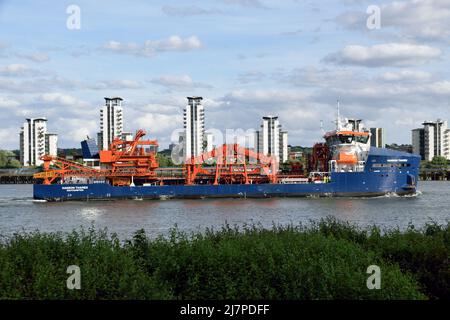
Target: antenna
338	118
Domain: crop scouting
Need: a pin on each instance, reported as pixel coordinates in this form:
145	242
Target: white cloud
3	46
175	81
16	69
441	88
389	54
264	96
315	77
78	134
115	85
179	82
406	75
152	47
54	100
8	103
192	10
58	98
10	137
246	3
298	113
419	19
159	123
35	57
251	76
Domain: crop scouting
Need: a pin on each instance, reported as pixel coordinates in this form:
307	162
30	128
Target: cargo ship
344	164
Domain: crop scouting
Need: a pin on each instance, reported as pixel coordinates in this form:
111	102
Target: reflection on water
91	214
18	211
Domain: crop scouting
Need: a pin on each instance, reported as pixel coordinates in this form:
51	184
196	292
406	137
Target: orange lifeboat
347	158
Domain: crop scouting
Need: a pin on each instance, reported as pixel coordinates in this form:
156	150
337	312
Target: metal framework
231	166
123	161
319	158
126	160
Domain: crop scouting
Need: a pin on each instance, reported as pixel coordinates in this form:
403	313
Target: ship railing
361	165
319	177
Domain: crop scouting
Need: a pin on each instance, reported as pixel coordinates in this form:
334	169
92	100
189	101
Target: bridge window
362	139
346	138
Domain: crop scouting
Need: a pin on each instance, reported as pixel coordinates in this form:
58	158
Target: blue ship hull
385	172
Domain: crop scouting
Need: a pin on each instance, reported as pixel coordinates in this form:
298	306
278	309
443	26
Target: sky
246	58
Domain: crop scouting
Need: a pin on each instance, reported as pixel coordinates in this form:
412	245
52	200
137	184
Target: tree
3	158
8	160
164	161
439	161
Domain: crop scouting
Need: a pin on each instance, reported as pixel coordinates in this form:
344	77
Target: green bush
326	260
425	253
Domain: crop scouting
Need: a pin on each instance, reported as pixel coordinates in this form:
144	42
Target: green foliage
305	150
34	266
439	161
425	253
69	152
7	160
326	260
164	160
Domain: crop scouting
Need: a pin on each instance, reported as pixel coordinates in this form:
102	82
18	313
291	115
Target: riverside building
271	139
35	142
432	140
111	122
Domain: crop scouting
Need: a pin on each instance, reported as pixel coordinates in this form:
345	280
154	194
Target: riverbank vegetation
8	160
324	260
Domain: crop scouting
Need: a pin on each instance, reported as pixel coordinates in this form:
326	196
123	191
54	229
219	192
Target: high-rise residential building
418	142
194	127
431	140
271	140
208	141
127	136
111	122
284	151
51	144
377	137
35	141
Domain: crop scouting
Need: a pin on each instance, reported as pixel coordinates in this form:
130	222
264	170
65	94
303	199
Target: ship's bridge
349	150
346	137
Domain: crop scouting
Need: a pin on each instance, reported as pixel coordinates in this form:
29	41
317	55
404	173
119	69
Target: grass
324	260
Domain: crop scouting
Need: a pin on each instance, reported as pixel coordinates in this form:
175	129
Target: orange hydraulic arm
65	168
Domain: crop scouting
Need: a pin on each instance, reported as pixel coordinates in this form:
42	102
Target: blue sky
247	58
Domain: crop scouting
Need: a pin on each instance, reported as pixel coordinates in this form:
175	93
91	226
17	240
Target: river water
18	211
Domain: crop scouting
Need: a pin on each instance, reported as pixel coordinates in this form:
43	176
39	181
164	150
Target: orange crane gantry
231	166
126	160
123	161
